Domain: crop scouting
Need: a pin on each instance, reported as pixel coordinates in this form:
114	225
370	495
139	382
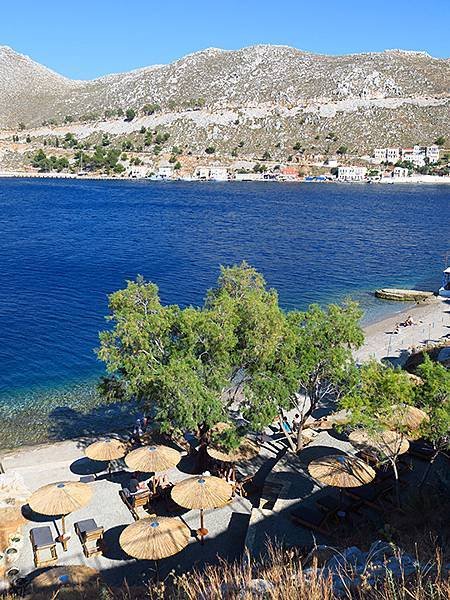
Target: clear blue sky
87	38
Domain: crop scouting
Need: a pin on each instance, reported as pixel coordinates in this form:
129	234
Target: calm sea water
65	245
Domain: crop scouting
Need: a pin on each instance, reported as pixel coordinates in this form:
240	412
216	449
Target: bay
66	244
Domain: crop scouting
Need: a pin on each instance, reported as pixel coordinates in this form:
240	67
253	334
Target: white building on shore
351	173
400	173
165	172
391	155
211	173
416	154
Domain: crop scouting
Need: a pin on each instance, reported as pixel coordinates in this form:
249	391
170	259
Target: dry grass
285	577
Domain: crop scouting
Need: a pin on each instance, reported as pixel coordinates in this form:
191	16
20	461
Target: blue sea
66	244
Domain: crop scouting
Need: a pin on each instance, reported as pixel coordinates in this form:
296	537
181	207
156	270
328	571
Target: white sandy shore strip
428	179
432	324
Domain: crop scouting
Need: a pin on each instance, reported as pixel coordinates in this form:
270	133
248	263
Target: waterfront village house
289	171
351	173
330	163
399	172
214	173
138	171
391	155
165	171
416	155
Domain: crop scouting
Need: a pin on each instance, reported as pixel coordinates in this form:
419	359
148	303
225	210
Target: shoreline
421	179
432	320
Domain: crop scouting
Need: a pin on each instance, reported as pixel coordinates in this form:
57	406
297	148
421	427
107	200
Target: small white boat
444	290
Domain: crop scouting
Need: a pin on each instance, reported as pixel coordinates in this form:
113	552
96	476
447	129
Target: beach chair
41	541
136	501
372	493
90	536
311	519
242	484
331	503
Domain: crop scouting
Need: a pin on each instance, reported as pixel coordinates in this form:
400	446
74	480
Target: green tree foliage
297	146
377	402
150	109
22	126
68	119
189	365
161	138
130	114
266	155
70	141
127	145
433	396
342	150
440	141
45	164
326	339
210	150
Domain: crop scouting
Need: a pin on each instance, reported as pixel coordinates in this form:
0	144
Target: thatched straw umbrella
66	576
61	498
154	538
226	458
201	493
406	417
106	451
341	471
153	459
388	443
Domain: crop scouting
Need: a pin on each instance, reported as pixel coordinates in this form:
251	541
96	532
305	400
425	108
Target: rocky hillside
266	96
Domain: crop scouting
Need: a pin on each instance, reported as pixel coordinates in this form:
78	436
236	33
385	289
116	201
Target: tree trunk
300	438
397	484
286	434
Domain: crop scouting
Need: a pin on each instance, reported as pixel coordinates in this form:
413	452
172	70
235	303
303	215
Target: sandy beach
431	325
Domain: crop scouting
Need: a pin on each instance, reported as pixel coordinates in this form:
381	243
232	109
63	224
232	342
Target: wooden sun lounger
239	486
41	539
90	536
331	503
135	502
311	519
371	493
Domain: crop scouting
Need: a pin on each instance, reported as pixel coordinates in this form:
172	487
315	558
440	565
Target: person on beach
285	424
296	422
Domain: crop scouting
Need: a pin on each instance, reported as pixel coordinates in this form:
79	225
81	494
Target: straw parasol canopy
60	498
388	443
202	492
154	538
405	416
106	450
341	471
69	575
222	456
152	459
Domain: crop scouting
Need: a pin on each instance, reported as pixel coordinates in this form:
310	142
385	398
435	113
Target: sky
83	39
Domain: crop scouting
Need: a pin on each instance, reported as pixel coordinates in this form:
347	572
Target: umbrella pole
154	483
63	533
202	532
